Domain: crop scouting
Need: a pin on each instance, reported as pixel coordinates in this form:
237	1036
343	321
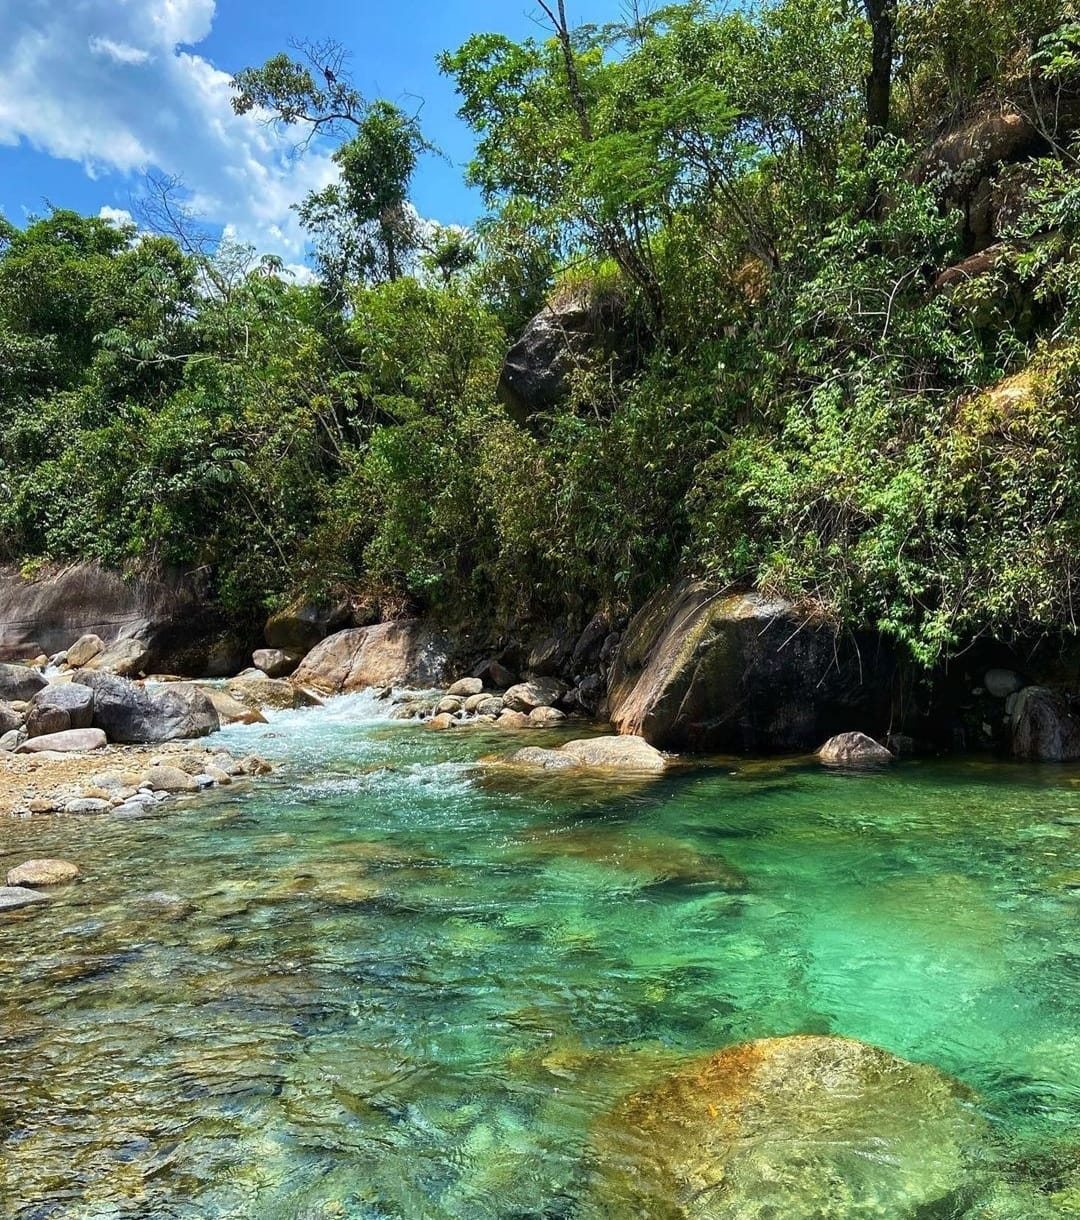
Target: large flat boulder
802	1128
131	714
387	654
68	741
703	670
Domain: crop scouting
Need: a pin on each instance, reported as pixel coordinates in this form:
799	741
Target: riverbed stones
449	704
444	720
20	682
546	717
70	741
169	779
43	872
466	688
274	662
252	764
12	897
854	750
87	804
540	692
509	719
802	1128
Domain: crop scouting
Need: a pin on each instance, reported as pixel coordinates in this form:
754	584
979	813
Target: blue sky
93	93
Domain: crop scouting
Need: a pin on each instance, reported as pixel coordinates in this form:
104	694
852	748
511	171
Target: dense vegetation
756	208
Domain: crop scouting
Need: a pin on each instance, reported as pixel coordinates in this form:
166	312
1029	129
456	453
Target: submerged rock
854	749
12	897
624	753
803	1128
34	873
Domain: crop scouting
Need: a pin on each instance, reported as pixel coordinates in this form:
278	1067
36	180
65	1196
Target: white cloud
105	83
119	52
120	217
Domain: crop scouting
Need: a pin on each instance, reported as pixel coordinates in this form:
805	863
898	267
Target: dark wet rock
70	741
20	682
34	873
701	669
853	750
800	1128
10	719
1043	727
1001	683
495	674
130	713
534	374
12	897
551	655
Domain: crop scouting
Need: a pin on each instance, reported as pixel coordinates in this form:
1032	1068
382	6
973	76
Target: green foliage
774	386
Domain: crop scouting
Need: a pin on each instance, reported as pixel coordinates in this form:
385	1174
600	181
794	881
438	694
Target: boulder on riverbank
407	653
60	706
800	1127
68	741
700	669
130	713
19	683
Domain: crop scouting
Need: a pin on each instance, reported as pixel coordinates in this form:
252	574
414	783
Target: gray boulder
1001	683
130	713
60	706
126	658
527	696
1043	728
20	682
10	720
84	650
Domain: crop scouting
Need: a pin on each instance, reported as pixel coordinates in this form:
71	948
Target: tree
882	17
363	225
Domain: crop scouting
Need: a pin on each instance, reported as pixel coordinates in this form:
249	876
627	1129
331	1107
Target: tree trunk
882	17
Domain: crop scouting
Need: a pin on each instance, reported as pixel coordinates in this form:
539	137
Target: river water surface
385	982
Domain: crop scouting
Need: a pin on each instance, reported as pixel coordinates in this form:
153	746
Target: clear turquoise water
394	984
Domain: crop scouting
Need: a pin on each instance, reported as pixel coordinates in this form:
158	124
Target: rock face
71	741
129	713
800	1128
388	654
20	682
854	750
1043	728
177	625
702	670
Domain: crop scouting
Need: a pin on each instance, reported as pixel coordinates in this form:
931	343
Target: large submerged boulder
801	1128
131	714
388	654
705	670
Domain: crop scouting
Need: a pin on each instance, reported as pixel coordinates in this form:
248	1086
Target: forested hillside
812	266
